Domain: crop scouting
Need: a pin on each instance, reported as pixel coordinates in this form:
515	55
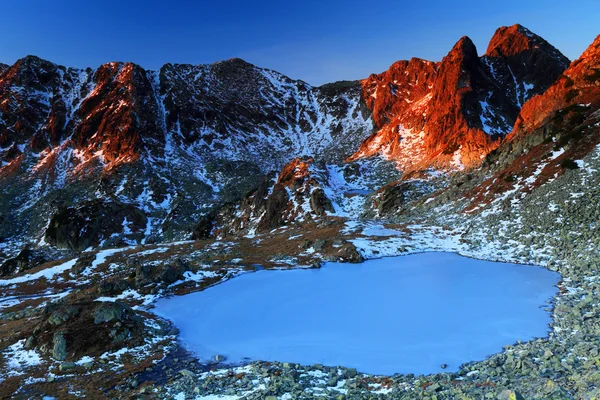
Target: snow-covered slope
174	143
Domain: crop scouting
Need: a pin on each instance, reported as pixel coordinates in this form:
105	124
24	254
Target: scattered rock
61	314
109	312
319	244
187	372
67	366
59	349
350	373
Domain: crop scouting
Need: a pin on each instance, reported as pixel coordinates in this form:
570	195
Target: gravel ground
556	226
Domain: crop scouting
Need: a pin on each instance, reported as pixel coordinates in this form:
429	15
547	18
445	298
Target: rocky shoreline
552	228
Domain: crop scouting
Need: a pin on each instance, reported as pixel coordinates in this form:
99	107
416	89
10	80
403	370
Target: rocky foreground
141	357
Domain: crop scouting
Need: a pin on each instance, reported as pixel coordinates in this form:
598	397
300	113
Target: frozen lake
408	314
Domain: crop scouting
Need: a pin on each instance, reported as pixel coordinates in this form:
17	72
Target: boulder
109	312
89	223
320	203
61	314
59	349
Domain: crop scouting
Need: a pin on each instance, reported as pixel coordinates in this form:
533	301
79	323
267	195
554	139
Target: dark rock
274	207
349	253
30	343
143	273
61	314
109	312
59	349
320	203
25	260
204	227
105	287
78	228
169	275
67	366
305	244
84	261
319	244
350	373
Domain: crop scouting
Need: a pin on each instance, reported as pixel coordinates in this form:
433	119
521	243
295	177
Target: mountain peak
593	49
509	41
465	46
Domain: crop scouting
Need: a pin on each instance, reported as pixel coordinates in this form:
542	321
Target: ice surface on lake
408	314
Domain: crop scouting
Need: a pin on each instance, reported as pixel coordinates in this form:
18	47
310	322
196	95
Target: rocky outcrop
88	224
295	196
553	130
26	259
178	142
69	332
451	114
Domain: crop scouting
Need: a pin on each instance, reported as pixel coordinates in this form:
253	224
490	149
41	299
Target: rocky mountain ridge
172	143
162	151
451	114
104	171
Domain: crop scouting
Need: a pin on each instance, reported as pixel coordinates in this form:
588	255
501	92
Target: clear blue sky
317	41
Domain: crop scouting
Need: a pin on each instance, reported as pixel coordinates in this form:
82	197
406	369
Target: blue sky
317	41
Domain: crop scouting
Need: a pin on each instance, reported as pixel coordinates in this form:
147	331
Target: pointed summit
593	49
464	48
509	41
523	62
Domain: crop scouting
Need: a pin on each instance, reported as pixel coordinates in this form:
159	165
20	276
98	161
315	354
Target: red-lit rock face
552	130
451	114
578	84
398	99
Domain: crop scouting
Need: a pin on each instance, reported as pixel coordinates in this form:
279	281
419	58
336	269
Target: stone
67	366
187	372
90	222
350	373
108	312
169	275
105	287
59	349
62	314
434	388
320	203
305	244
143	272
29	343
319	244
510	395
220	358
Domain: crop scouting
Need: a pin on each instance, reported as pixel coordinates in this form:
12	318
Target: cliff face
174	143
451	114
554	131
178	143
